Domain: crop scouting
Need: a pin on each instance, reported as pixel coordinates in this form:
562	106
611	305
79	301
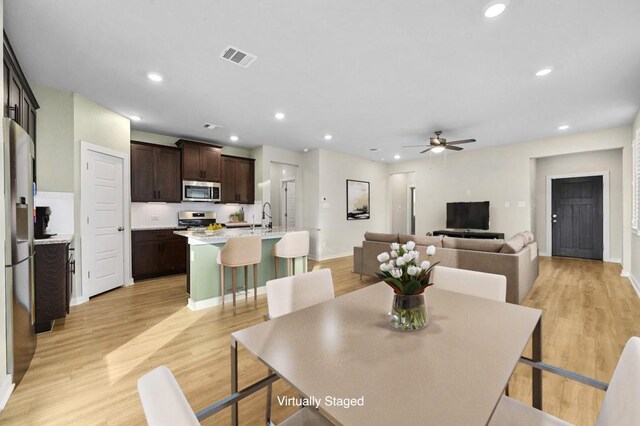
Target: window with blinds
635	221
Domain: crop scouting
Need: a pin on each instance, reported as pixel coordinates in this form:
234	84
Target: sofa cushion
514	244
422	240
377	236
474	244
529	236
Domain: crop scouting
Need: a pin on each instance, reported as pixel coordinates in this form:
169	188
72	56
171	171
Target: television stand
461	233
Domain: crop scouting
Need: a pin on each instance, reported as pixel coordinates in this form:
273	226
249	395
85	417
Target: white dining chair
621	405
291	246
289	294
474	283
162	400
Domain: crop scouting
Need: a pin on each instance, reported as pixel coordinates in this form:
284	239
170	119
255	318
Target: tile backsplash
61	204
144	215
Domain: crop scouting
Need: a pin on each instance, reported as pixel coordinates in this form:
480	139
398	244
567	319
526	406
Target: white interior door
288	197
104	246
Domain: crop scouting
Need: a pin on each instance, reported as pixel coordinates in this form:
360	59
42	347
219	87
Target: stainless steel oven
200	191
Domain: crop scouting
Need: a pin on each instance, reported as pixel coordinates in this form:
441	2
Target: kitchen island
203	272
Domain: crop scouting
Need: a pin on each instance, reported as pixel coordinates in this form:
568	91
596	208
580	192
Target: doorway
412	210
577	217
103	224
288	201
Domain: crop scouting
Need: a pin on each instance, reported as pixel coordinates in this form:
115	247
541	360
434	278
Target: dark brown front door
577	217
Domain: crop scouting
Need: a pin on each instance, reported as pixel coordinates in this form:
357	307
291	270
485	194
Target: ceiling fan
438	144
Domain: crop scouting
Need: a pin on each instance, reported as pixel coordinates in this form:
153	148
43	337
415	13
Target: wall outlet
521	204
468	192
507	204
326	205
155	218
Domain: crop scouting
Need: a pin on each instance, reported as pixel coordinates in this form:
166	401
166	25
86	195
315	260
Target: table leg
536	355
269	395
234	380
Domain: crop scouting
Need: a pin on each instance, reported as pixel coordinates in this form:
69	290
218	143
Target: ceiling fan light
437	149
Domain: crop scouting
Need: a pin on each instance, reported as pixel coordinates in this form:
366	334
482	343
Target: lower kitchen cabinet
54	268
157	253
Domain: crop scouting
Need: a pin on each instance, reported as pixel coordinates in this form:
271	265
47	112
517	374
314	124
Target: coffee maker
42	221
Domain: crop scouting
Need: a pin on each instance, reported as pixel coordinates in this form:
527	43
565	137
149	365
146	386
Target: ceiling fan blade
414	146
461	141
455	148
426	150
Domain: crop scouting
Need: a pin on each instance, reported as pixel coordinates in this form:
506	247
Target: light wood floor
85	372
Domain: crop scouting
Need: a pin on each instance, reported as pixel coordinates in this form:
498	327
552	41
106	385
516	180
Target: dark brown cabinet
238	175
200	161
20	103
157	253
155	173
53	278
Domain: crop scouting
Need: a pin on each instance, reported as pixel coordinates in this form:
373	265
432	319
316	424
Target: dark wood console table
470	234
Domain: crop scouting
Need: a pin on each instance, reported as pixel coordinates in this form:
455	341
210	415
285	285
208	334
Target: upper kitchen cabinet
238	180
200	161
19	101
155	173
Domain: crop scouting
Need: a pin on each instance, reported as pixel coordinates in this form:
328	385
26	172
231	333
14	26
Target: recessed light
563	127
374	149
544	71
154	76
495	8
279	115
437	149
233	138
306	150
397	156
135	118
328	137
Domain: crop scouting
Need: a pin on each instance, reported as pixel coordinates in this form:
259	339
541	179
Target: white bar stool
237	252
291	246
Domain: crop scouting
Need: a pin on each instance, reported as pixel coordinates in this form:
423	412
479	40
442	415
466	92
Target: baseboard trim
6	388
333	256
635	284
78	300
613	260
542	253
215	301
625	274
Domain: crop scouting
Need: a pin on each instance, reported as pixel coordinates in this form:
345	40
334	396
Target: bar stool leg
275	266
222	283
288	267
255	283
305	266
246	282
293	262
233	283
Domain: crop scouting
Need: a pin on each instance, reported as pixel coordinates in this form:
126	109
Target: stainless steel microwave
193	190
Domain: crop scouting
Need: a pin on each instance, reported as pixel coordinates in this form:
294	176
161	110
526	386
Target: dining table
343	356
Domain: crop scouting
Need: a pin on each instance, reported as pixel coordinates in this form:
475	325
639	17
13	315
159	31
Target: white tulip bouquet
400	270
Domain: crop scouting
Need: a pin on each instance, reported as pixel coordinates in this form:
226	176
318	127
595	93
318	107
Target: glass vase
409	312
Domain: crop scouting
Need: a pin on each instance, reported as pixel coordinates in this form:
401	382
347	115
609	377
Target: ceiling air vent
211	126
238	57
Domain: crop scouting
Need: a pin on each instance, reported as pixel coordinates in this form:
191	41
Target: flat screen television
474	215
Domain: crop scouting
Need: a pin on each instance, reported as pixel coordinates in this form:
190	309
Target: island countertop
222	235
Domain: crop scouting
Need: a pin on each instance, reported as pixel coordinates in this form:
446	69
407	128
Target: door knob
120	228
554	221
554	216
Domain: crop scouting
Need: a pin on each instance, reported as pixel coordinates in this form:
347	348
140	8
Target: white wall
337	235
593	161
503	174
399	184
635	238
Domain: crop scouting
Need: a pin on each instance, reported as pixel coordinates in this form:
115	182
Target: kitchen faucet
265	215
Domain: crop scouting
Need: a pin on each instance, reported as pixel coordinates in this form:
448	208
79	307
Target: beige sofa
516	258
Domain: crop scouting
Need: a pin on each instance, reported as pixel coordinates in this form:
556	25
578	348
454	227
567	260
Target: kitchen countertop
222	235
157	228
56	239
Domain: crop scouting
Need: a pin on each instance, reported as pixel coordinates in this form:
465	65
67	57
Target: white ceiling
373	73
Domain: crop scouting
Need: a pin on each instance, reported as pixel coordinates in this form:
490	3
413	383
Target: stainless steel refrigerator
19	248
